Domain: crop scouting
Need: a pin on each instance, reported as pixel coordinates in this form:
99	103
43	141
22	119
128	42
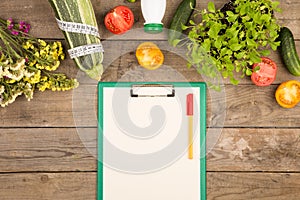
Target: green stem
12	40
3	23
7	40
7	87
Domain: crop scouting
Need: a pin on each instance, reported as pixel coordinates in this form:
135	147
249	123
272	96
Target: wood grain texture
48	186
240	106
262	186
74	149
120	64
49	149
78	186
248	106
44	24
47	145
275	150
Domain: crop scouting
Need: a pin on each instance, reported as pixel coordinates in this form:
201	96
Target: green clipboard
144	137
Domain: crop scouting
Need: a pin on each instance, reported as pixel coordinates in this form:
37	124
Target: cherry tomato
149	55
119	20
266	74
288	94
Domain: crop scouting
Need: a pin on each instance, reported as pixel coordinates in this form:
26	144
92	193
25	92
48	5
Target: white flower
2	89
28	74
11	99
28	86
15	75
1	72
18	66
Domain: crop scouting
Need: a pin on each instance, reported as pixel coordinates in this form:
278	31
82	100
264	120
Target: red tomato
119	20
266	74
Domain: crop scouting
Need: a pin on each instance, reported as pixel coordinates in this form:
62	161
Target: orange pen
190	113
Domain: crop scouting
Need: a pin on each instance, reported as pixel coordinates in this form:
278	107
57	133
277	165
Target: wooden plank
45	186
50	149
253	150
46	109
263	186
248	106
44	24
77	186
293	25
70	149
241	106
53	109
124	65
120	63
288	10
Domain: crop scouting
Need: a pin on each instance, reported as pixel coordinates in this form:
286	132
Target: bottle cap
153	28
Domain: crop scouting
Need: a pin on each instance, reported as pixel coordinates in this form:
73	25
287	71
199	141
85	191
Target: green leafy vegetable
231	39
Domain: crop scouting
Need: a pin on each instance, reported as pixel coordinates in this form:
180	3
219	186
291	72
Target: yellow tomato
288	94
149	55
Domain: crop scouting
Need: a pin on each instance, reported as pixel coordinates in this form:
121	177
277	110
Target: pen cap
190	104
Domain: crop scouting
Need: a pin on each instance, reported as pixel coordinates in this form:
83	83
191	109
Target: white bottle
153	13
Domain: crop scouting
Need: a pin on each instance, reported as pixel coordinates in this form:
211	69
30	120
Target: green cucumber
181	17
288	51
80	11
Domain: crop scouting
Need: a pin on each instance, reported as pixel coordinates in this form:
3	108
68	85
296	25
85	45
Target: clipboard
144	141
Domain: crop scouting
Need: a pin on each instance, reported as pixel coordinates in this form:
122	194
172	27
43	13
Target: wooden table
253	152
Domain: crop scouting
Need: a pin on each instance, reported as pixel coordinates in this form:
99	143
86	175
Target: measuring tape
85	50
78	28
85	29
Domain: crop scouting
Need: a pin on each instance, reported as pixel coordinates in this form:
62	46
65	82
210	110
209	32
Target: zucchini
181	17
80	11
288	51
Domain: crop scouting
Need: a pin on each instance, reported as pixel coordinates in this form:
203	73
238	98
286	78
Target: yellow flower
54	55
42	87
48	68
53	67
42	42
59	44
44	78
34	79
55	45
39	66
62	56
2	57
47	48
43	52
26	45
10	81
37	54
32	63
60	47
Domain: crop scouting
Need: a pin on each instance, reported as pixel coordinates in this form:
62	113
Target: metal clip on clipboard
152	90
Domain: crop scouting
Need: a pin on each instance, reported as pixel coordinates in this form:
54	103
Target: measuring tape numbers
84	29
85	50
78	28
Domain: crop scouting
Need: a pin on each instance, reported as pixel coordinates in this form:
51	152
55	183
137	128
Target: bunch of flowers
27	63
